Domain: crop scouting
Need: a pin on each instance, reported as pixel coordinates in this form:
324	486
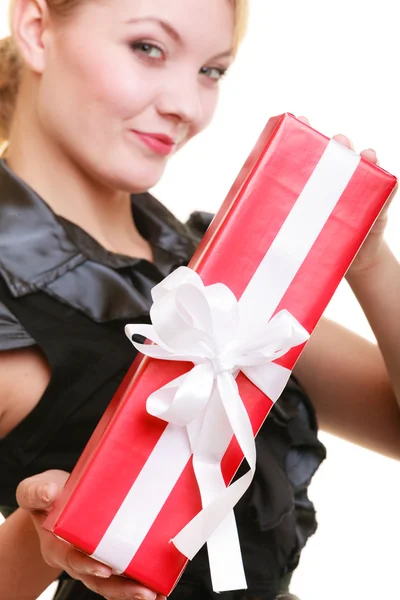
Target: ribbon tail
218	513
196	533
225	558
209	447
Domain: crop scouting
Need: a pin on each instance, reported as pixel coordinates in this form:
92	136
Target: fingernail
103	573
44	493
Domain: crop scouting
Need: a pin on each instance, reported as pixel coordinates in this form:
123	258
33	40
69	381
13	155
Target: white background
337	63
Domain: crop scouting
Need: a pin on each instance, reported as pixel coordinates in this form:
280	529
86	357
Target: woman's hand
370	252
36	495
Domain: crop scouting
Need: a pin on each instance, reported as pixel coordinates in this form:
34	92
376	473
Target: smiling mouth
159	143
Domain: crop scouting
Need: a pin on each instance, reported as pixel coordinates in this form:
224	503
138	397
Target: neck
103	212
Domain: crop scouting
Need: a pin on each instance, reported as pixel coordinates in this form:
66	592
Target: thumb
39	492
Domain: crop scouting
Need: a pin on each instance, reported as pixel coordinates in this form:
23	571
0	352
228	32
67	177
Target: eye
148	50
214	73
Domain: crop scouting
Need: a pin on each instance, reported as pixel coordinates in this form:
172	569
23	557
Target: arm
24	574
378	292
24	376
347	381
30	557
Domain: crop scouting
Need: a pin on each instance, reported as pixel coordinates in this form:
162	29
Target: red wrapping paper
255	209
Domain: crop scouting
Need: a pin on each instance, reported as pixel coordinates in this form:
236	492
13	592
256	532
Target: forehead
193	19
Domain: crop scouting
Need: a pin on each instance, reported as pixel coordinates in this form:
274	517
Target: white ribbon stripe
207	326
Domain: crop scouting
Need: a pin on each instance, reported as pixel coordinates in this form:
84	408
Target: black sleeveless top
61	290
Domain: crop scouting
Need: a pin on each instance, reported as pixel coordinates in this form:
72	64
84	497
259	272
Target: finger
39	492
118	588
304	120
386	208
80	564
370	155
342	139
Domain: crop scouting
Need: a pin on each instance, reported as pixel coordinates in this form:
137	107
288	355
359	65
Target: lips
165	139
159	143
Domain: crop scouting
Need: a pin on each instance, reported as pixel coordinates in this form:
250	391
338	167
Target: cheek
99	83
108	89
115	88
209	102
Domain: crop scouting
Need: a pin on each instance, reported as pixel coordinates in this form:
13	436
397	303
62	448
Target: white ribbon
203	325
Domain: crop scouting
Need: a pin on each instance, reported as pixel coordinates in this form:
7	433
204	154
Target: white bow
204	325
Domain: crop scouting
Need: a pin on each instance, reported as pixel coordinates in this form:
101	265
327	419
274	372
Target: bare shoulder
24	376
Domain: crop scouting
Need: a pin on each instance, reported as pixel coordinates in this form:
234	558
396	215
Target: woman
107	91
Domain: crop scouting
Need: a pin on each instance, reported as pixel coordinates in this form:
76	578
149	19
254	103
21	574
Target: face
126	83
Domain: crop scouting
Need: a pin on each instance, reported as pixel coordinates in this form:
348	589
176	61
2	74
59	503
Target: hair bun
9	82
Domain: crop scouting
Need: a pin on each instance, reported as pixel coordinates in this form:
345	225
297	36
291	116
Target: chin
135	181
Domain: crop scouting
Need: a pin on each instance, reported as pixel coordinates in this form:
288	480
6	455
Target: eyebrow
227	54
163	24
171	31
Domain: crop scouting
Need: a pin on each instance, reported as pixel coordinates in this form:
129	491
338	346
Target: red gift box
283	239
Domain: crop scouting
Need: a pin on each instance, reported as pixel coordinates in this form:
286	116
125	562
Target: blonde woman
95	96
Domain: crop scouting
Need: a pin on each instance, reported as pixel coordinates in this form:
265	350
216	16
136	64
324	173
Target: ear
30	22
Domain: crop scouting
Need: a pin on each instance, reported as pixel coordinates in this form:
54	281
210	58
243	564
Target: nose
182	100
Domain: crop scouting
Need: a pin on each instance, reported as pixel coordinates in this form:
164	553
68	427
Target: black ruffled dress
61	290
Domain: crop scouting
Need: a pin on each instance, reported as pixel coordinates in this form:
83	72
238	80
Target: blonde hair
10	63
